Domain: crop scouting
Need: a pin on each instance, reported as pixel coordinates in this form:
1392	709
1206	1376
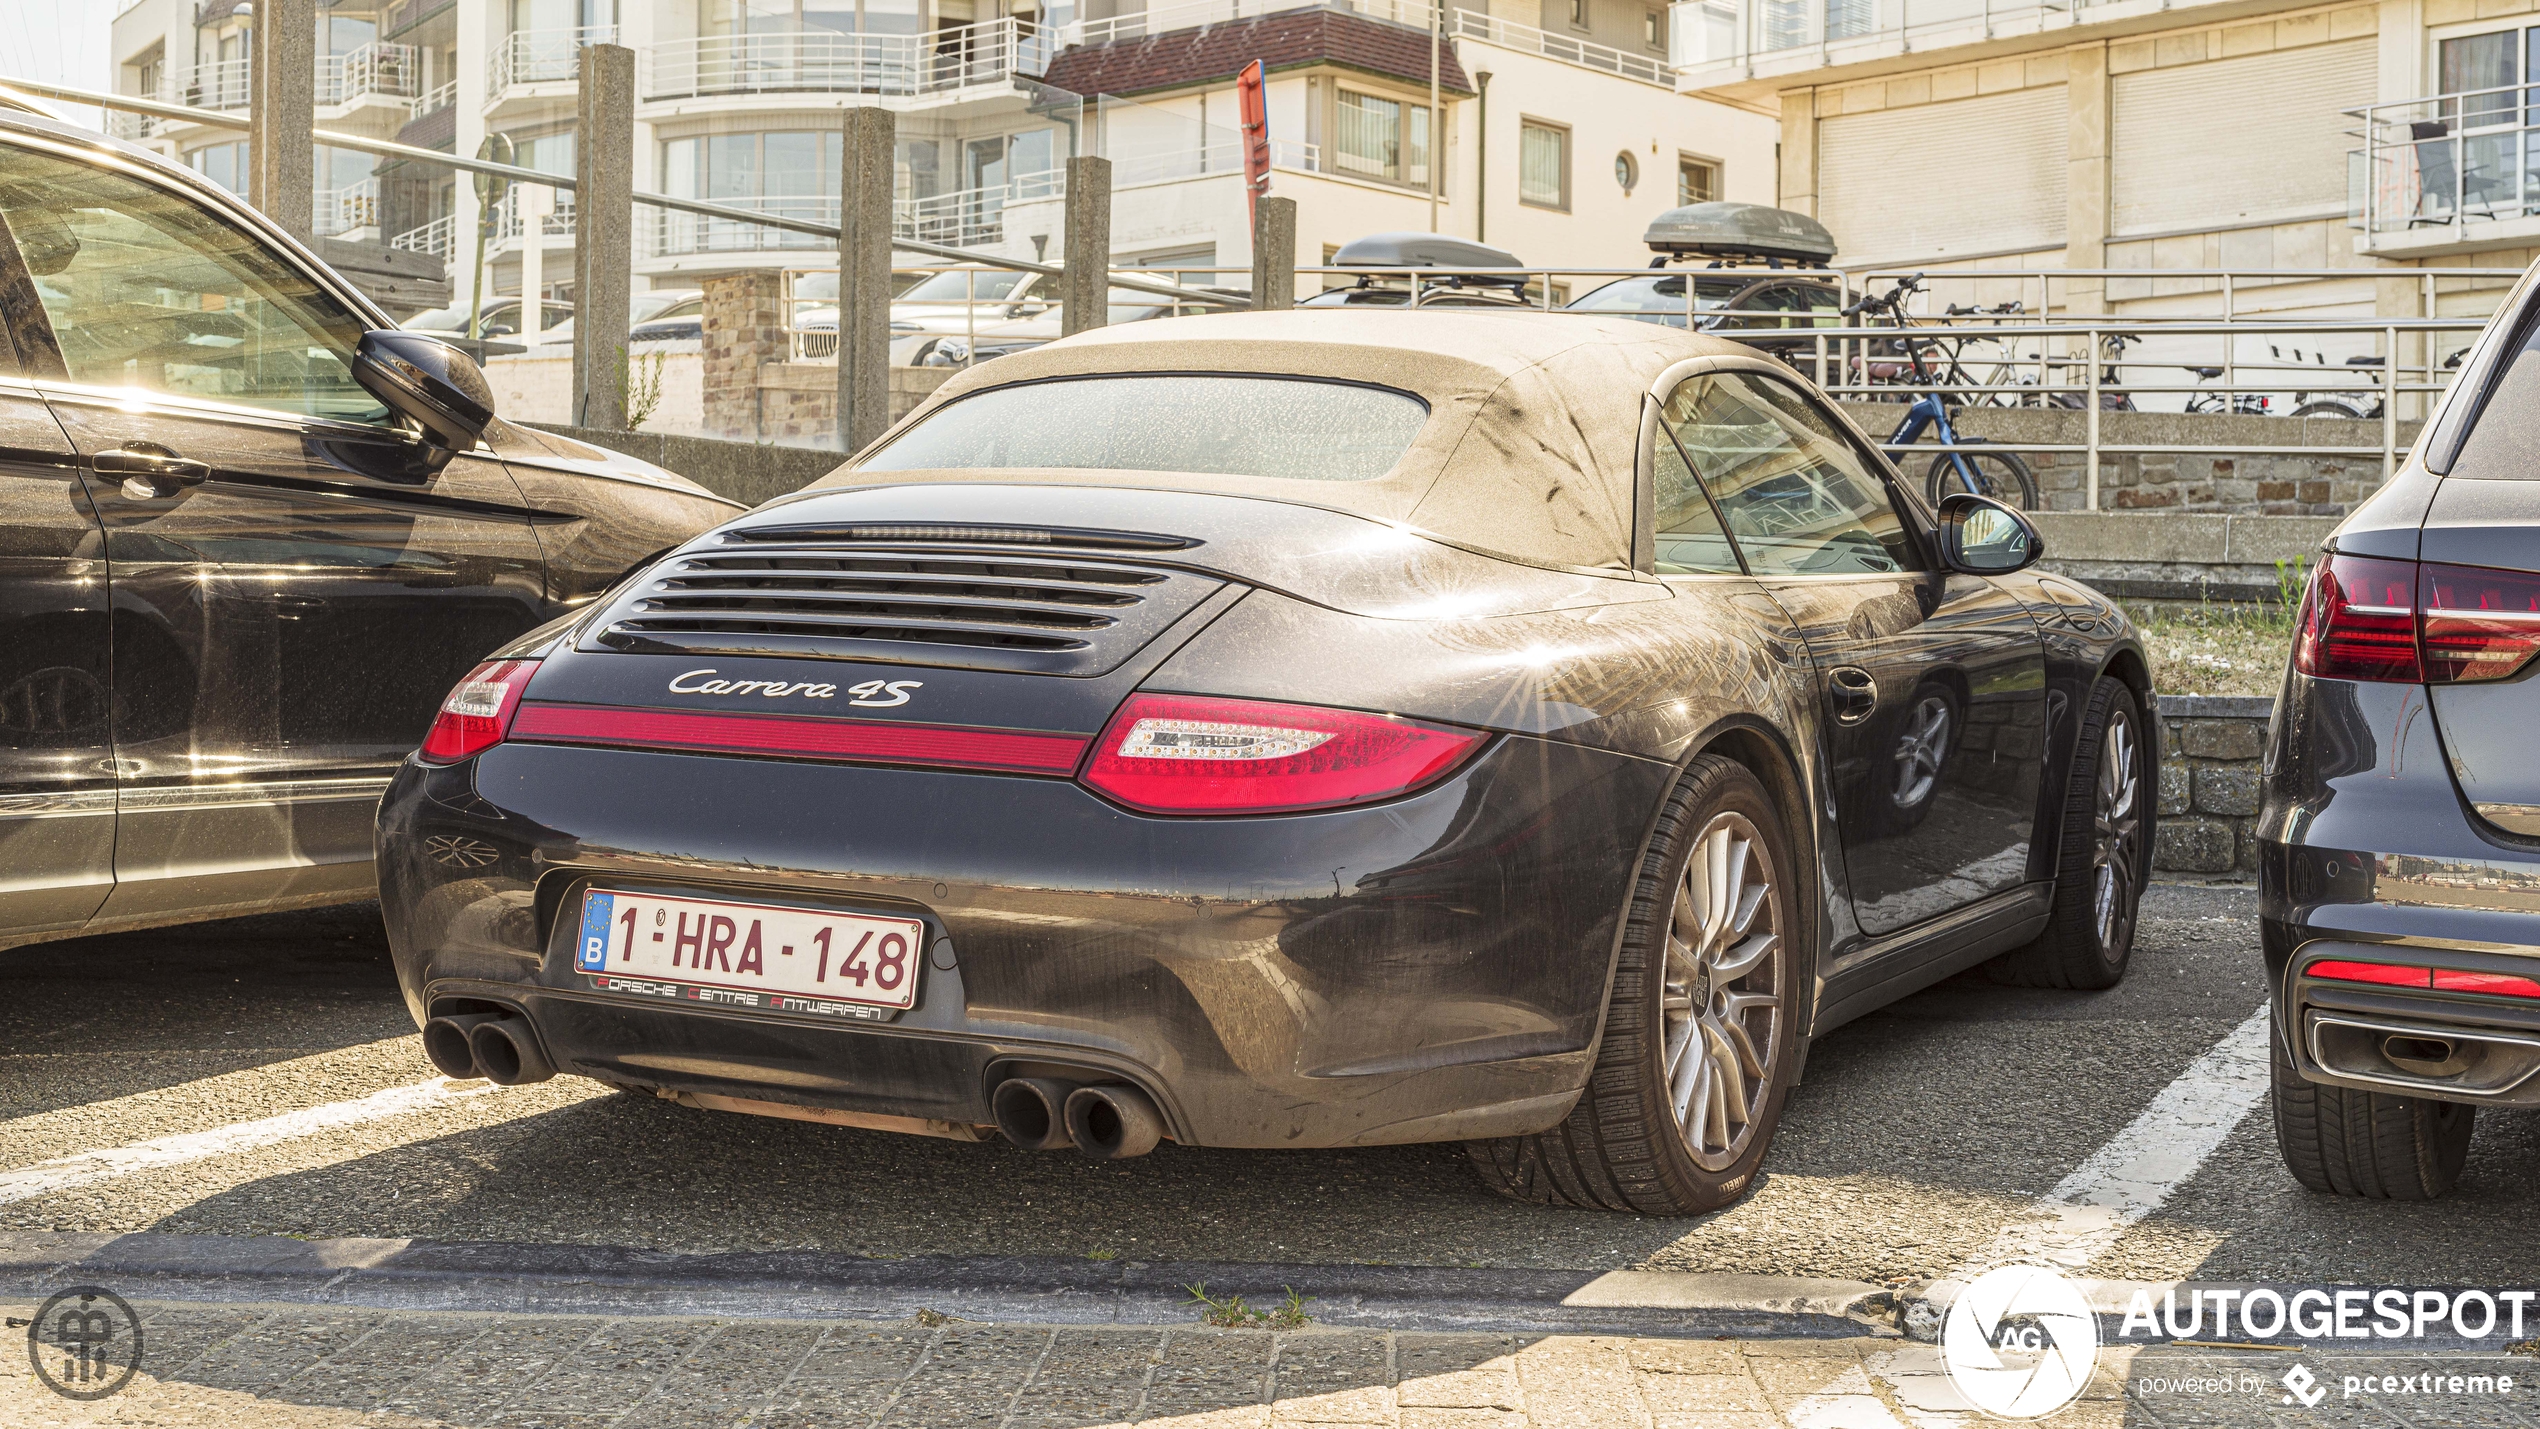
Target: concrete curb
607	1280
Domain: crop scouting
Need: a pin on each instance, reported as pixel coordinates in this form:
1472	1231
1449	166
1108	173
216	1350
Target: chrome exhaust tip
1031	1112
1113	1123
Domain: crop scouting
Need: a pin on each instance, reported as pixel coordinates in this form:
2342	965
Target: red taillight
790	737
2497	984
2359	621
2370	619
2440	979
1187	754
478	711
2479	624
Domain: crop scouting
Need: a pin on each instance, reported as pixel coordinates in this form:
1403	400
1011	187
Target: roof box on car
1739	230
1421	250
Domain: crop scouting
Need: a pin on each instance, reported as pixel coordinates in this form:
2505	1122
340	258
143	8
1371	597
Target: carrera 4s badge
872	694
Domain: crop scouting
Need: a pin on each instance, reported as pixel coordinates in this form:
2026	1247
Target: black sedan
2399	865
242	557
1300	729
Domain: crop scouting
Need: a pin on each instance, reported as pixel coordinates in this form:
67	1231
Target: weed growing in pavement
1232	1313
2224	647
1102	1255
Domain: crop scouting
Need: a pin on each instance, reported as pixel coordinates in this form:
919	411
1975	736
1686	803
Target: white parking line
60	1174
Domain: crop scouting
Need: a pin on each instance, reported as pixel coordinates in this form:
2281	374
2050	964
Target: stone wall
2296	484
2181	555
744	331
2210	748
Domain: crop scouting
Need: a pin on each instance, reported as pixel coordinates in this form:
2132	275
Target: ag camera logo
2020	1342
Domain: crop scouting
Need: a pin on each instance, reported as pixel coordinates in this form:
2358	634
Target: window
1796	495
791	171
1697	180
146	290
1578	14
1690	541
1626	171
1382	139
223	164
2472	154
1543	164
1653	32
1285	427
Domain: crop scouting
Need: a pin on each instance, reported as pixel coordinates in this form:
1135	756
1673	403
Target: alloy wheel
2117	832
1722	999
1920	750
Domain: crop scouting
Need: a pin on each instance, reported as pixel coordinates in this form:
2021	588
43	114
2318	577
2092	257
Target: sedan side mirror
429	381
1983	537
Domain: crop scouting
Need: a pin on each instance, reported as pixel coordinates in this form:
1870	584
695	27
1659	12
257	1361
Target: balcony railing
438	238
827	62
439	97
542	56
379	68
675	234
1509	35
510	223
348	209
970	216
221	84
2446	161
1732	35
1158	19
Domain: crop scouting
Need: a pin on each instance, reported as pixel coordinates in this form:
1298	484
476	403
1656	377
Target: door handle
1855	694
149	470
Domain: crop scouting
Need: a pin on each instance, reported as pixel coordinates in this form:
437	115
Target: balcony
510	224
1717	44
221	84
673	234
432	101
439	238
376	70
347	210
2449	173
824	62
1586	54
541	57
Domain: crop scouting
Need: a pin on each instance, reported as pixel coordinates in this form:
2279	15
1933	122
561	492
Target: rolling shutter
1963	176
2241	140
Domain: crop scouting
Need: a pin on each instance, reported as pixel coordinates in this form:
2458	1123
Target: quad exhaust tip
498	1046
1113	1123
1031	1112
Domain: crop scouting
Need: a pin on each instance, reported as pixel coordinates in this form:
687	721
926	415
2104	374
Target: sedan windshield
1293	428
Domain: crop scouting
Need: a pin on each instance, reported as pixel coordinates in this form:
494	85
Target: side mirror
1983	537
428	380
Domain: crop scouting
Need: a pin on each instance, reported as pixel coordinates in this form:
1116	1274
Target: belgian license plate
750	955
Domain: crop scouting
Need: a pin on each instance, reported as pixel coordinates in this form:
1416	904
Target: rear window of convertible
1294	428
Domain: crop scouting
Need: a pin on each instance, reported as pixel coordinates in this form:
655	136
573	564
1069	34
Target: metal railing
1194	14
511	225
972	215
220	84
347	210
1020	312
822	61
1568	49
671	234
541	56
438	238
390	71
2446	160
439	97
1711	40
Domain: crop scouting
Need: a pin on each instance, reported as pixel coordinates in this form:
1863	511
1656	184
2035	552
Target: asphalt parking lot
1921	1131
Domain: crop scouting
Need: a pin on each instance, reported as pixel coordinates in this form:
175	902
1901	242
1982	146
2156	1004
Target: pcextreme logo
2020	1342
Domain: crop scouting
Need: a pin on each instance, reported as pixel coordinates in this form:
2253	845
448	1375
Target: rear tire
1701	1018
2370	1145
2106	853
2000	475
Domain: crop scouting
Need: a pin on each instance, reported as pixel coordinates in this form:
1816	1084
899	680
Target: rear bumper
1428	969
2368	851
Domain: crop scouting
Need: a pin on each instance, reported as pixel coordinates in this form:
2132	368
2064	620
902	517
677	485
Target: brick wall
2210	747
744	331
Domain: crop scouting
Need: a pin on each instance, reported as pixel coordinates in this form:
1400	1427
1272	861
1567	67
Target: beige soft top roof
1534	418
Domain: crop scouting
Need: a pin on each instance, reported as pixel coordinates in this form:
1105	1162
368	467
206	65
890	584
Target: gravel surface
1919	1131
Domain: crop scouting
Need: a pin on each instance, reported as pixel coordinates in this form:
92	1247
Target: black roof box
1421	250
1739	230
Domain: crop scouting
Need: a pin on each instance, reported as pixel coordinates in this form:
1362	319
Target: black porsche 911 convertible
1298	729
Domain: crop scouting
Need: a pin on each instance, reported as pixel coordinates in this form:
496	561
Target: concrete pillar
864	277
1274	255
1796	185
281	155
744	328
2086	200
603	235
1086	288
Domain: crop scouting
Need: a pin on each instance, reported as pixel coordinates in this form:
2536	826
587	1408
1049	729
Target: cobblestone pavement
257	1367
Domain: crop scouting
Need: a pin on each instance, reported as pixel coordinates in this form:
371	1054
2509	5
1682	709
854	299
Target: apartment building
1560	128
2374	136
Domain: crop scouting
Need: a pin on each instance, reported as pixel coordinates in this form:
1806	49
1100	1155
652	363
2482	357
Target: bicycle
1999	475
2245	404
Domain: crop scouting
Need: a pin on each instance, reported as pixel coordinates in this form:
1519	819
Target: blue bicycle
1998	474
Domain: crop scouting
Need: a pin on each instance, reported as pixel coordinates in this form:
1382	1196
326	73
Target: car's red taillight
2409	975
2359	621
2366	618
1188	754
478	712
2479	624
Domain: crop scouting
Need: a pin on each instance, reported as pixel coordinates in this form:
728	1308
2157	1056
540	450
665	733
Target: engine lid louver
1043	614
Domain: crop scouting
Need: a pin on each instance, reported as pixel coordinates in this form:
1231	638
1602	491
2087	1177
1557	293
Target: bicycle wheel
2000	475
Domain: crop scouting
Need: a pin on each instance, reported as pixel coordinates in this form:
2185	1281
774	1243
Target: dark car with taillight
249	533
1305	729
2400	838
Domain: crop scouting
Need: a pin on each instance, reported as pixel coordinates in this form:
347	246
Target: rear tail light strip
856	742
2367	618
2409	975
